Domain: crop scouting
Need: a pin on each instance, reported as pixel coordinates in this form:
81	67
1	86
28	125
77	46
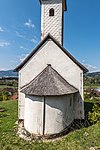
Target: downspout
44	116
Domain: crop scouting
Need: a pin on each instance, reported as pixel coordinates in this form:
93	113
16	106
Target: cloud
30	39
29	24
13	61
20	35
1	30
4	43
90	67
33	40
22	57
3	69
22	47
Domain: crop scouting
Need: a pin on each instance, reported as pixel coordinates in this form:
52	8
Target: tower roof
48	83
64	4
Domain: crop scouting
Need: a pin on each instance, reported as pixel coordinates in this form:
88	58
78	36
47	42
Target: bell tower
52	12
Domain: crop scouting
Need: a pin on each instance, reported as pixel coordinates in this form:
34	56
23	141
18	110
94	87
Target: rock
22	133
85	134
2	110
92	148
21	124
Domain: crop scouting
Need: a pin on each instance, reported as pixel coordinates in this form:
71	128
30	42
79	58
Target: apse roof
48	83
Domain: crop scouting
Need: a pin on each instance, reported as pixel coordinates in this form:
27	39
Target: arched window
51	12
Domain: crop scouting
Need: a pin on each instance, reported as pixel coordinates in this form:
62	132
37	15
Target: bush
4	96
94	116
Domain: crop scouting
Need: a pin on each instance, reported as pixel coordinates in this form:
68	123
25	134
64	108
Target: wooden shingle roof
48	83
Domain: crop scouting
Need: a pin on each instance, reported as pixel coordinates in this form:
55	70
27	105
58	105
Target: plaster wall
52	24
58	114
50	53
21	100
33	121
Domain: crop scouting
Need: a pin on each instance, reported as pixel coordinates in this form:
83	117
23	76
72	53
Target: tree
94	116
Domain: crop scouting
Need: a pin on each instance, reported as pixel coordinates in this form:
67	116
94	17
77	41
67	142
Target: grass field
6	86
81	139
92	86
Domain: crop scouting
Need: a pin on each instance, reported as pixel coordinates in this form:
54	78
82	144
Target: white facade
58	114
52	24
50	53
50	114
33	120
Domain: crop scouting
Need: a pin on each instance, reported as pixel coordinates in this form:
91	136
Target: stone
92	148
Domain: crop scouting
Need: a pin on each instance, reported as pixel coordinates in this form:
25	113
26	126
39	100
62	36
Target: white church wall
34	114
59	114
50	53
21	100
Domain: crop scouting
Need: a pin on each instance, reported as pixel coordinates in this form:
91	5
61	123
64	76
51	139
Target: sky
20	28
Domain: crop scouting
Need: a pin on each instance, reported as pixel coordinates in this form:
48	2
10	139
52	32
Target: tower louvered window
51	12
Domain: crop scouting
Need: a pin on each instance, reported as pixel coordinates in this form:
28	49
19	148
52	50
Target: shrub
94	116
4	95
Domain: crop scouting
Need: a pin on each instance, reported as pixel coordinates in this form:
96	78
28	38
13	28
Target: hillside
93	74
11	73
92	79
8	73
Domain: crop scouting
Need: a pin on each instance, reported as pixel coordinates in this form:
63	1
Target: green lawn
6	86
92	86
81	139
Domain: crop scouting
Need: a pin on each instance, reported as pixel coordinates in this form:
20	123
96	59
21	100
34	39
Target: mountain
8	73
93	74
11	73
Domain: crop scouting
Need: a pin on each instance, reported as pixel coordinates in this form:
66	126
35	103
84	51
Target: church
50	78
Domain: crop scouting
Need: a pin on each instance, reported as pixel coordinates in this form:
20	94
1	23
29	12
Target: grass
92	86
9	116
81	139
6	86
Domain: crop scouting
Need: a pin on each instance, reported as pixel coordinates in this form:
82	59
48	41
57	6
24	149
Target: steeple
52	12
